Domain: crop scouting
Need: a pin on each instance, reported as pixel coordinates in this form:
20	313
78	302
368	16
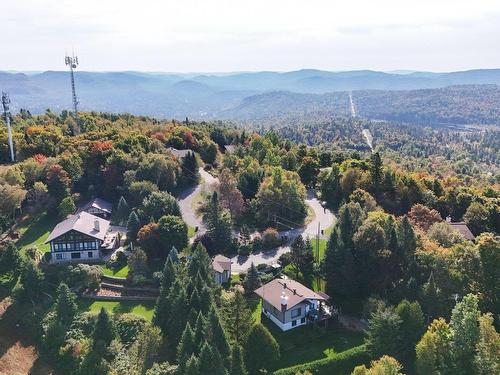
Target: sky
250	35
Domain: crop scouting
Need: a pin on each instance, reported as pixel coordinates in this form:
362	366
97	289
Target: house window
75	256
302	321
90	254
58	256
294	323
296	312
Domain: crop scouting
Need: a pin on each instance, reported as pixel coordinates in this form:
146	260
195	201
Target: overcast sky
249	35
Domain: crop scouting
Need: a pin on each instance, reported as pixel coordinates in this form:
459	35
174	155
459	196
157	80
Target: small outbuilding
98	207
222	268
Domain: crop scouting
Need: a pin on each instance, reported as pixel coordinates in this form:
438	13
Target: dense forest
426	297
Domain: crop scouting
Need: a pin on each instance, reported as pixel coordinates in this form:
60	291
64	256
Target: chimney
284	301
448	219
96	225
295	291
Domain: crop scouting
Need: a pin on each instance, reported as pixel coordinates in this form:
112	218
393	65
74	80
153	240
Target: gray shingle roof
220	263
463	229
82	222
178	153
295	291
100	204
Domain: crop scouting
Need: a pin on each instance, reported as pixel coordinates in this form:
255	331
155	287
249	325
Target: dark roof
82	222
293	292
220	263
463	229
100	204
178	153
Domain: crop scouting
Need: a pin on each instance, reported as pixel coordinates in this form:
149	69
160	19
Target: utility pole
72	62
6	113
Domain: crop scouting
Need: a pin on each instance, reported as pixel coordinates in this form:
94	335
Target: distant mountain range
253	96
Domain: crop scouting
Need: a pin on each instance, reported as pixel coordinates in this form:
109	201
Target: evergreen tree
217	335
32	281
104	333
65	306
237	363
261	349
10	259
174	255
186	347
376	172
218	223
133	226
199	332
163	303
210	361
190	169
178	314
252	280
237	317
412	327
192	366
123	210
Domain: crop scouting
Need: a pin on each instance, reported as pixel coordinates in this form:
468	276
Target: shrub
129	326
270	239
244	250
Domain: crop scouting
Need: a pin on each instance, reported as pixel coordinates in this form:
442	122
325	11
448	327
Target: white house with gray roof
81	237
289	304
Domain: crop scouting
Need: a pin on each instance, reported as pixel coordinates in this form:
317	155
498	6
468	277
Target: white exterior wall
66	256
283	326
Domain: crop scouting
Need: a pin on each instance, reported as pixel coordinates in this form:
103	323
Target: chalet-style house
98	207
81	237
222	269
461	228
289	304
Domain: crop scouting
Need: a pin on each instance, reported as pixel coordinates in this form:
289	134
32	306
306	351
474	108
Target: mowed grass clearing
144	309
36	232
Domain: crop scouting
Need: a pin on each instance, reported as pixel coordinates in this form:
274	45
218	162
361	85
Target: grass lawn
310	215
141	308
255	305
191	231
309	343
117	272
36	232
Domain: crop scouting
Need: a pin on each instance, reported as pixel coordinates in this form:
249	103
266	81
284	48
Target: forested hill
418	97
454	105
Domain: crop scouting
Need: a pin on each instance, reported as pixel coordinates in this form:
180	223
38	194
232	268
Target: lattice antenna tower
72	62
6	113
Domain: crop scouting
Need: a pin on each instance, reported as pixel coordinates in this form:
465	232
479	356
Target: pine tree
376	172
192	366
261	349
174	255
237	363
217	335
163	303
210	361
252	280
65	306
237	317
218	225
199	332
123	210
133	226
186	347
104	332
178	314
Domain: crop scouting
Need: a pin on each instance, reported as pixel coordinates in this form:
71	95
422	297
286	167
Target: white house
81	237
289	304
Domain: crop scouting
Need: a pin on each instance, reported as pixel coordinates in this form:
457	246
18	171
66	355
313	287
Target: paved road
323	217
186	201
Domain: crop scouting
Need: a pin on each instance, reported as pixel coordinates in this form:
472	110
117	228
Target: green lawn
309	343
36	232
191	231
117	272
141	308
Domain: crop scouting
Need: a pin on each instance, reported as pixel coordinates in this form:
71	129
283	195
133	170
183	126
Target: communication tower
72	62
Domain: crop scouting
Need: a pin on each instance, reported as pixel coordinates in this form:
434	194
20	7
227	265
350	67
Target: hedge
341	363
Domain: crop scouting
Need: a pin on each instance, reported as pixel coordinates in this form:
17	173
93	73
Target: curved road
322	218
186	201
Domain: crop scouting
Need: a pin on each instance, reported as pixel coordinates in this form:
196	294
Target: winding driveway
323	219
186	201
